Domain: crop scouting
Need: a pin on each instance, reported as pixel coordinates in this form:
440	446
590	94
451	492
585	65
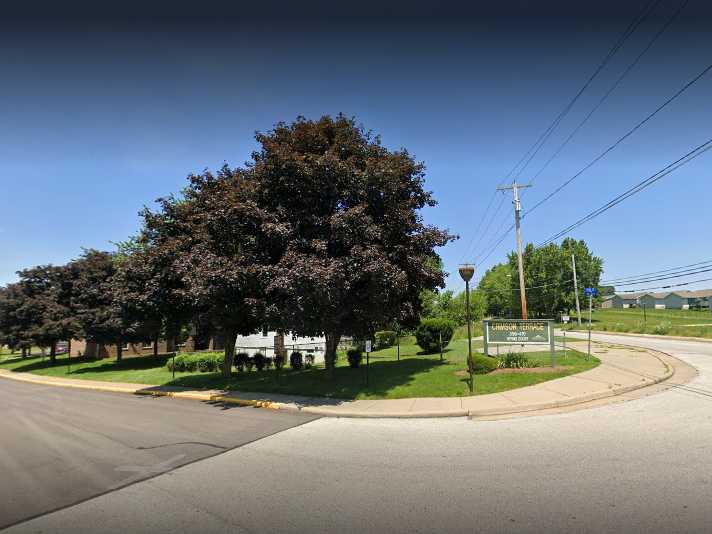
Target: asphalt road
637	466
61	446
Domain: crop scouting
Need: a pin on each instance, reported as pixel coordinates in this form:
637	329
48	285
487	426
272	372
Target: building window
148	344
124	346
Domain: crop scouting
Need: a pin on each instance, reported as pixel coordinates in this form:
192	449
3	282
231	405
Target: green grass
689	323
414	375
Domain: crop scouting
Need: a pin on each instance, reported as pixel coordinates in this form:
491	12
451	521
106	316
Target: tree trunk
119	350
230	338
155	346
24	352
52	353
332	342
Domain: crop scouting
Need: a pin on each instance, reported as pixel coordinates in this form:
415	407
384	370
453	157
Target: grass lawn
691	323
413	376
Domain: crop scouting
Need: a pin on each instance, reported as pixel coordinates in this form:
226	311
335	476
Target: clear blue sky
101	117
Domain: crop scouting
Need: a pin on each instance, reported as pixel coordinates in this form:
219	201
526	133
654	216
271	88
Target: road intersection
629	466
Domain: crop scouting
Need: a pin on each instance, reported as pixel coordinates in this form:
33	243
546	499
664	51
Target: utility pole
578	305
515	187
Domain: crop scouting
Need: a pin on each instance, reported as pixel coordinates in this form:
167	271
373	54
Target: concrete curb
326	412
633	334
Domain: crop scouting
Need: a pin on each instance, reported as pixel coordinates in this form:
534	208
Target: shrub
484	364
354	356
279	361
260	361
249	363
662	328
240	360
269	362
308	360
203	362
385	339
296	360
427	335
513	360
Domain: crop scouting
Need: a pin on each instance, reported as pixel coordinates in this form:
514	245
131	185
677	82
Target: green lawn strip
413	376
687	323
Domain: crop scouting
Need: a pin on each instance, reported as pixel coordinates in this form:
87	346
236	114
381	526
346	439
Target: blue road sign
590	291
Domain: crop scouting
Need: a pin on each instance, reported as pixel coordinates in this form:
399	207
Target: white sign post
565	319
368	352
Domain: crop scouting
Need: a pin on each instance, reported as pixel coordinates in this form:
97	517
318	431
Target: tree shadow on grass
129	364
347	383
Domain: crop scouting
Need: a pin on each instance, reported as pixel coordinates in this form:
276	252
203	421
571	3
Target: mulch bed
527	370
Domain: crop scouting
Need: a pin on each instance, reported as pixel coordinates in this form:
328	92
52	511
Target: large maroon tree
354	252
218	241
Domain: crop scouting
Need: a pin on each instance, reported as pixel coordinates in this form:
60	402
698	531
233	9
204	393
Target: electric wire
691	155
534	149
613	87
613	281
619	141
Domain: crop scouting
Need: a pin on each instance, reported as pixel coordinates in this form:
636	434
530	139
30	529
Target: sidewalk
622	369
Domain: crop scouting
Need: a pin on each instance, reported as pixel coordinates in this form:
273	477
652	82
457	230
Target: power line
556	284
625	278
489	225
479	226
534	149
698	151
614	86
670	277
620	140
666	287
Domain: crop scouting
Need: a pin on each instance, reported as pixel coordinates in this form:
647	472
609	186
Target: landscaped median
390	376
622	369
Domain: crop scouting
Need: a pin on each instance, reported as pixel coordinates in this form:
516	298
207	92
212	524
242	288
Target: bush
260	361
427	335
207	362
513	360
279	361
662	328
296	361
240	360
308	361
249	363
484	364
354	356
385	339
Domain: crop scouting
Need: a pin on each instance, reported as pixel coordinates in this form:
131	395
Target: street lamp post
467	271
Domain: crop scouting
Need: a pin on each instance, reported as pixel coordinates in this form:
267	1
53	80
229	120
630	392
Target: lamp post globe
467	271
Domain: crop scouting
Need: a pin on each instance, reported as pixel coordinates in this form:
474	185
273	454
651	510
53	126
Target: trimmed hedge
385	339
427	335
208	362
296	361
484	364
354	357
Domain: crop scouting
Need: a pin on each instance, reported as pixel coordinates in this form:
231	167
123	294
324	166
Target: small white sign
368	345
565	318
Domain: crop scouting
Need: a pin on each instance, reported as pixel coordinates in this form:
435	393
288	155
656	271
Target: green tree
354	252
549	276
102	315
47	312
496	286
16	318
